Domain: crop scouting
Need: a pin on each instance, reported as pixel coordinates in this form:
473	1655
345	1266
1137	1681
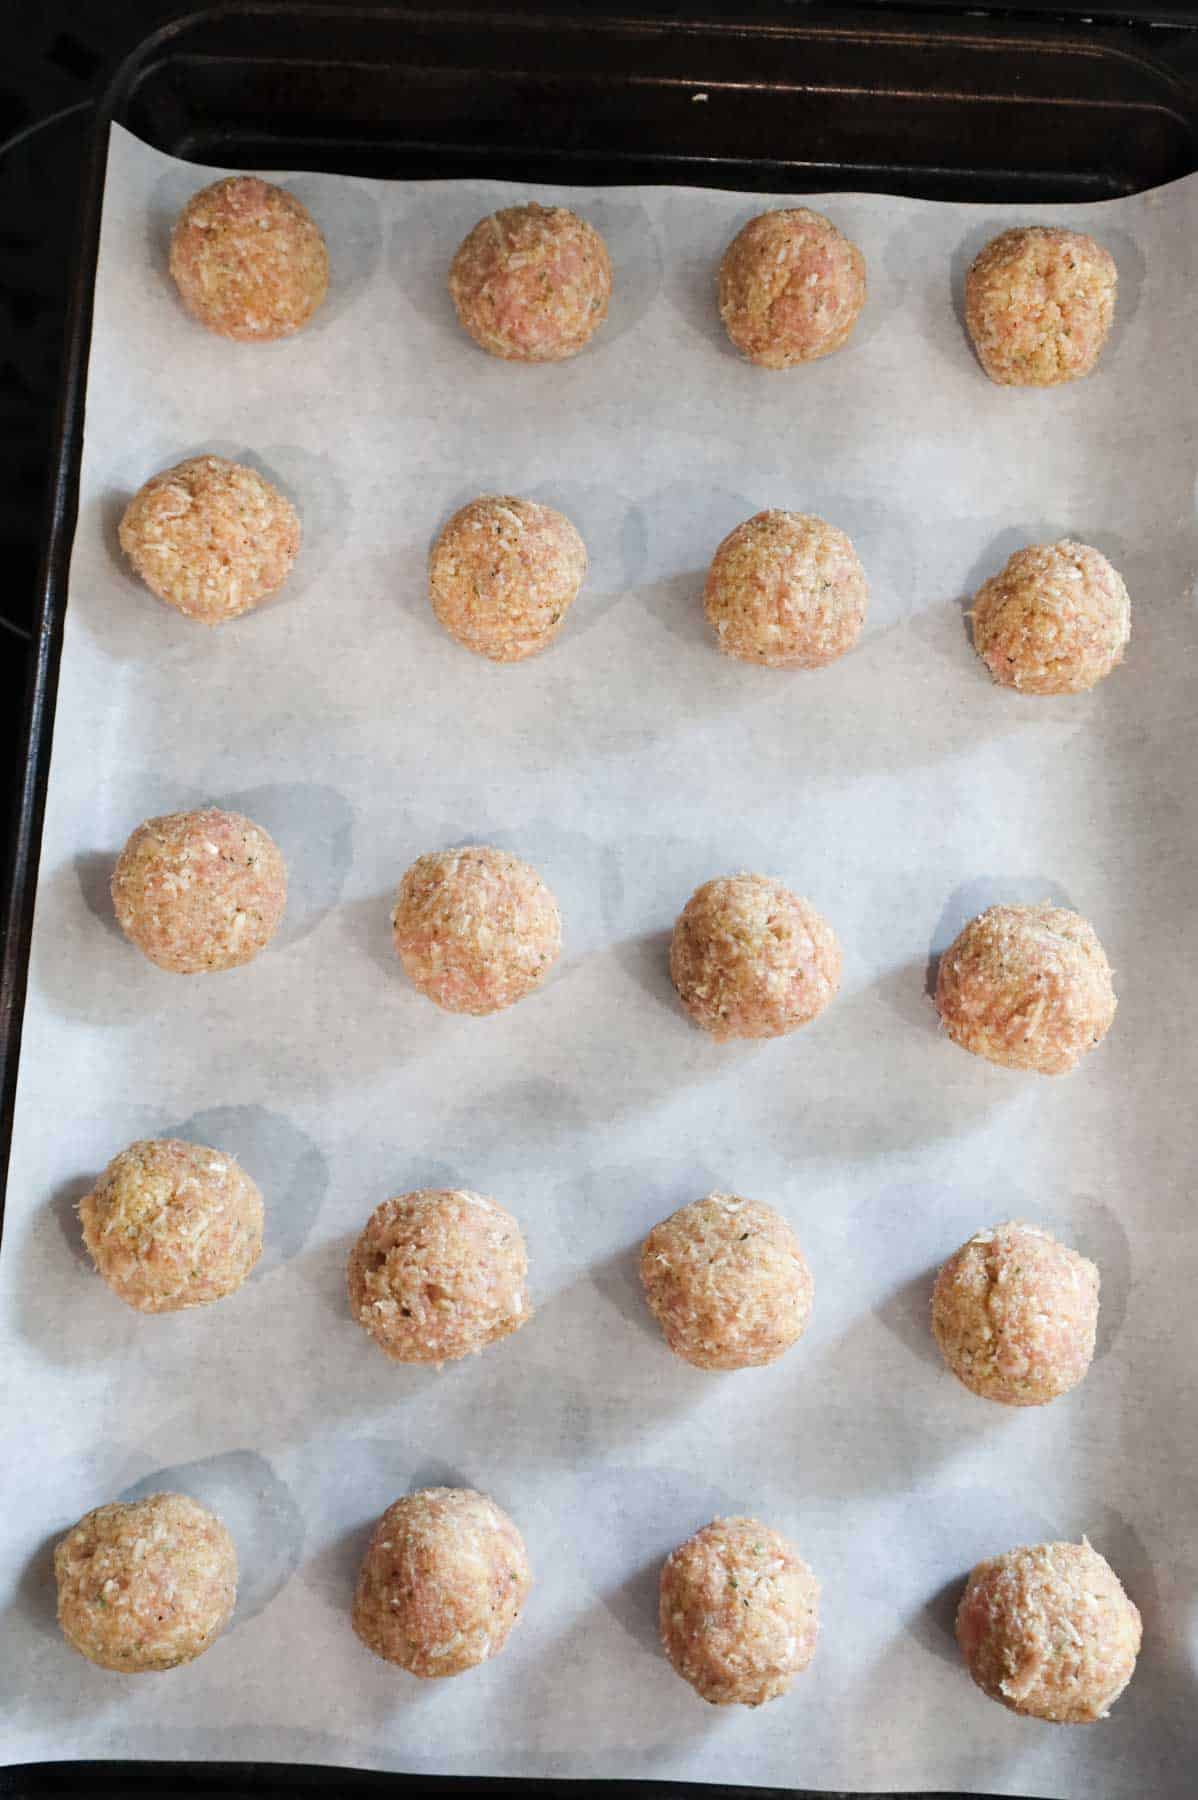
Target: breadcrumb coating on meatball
1055	620
439	1274
1028	987
791	287
749	959
786	589
1039	302
210	537
1048	1631
171	1225
145	1585
727	1282
442	1584
249	260
531	283
476	929
199	891
1015	1315
503	574
739	1612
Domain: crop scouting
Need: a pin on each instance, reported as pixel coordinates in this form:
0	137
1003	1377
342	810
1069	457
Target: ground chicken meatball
791	286
439	1274
248	259
749	959
1038	304
1028	987
199	891
145	1584
475	928
531	283
727	1282
787	590
1055	620
739	1612
1047	1630
442	1584
210	537
171	1225
503	574
1014	1313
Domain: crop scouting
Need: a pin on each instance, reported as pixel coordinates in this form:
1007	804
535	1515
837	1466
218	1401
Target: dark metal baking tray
942	102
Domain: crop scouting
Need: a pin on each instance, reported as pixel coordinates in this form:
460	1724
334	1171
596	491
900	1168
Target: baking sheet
898	789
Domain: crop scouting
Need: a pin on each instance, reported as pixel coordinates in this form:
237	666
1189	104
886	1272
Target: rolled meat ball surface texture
171	1225
1055	620
1027	987
750	959
249	260
739	1612
1039	303
532	283
728	1283
442	1584
503	574
211	537
439	1274
476	929
1015	1315
200	892
791	287
786	590
1047	1631
145	1585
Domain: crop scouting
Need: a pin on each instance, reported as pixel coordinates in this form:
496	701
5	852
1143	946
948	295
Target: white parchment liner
898	789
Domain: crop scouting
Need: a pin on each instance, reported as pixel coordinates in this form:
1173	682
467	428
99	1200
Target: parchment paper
899	789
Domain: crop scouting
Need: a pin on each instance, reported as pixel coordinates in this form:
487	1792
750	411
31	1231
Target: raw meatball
1039	303
739	1612
503	574
439	1274
787	590
249	261
749	959
1028	987
475	929
532	283
199	891
1015	1314
145	1584
443	1582
172	1224
210	537
791	287
727	1282
1048	1631
1056	620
